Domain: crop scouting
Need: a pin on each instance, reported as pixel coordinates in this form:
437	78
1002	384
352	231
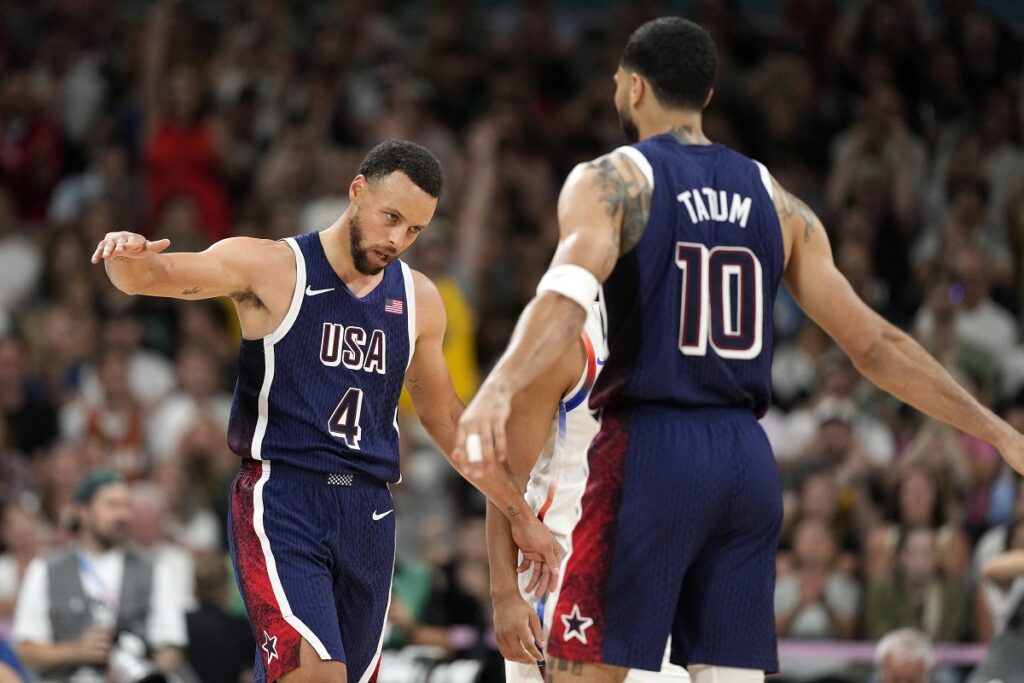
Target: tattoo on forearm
788	204
625	193
513	511
192	290
414	385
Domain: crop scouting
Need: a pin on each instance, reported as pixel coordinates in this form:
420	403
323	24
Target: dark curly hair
677	57
413	160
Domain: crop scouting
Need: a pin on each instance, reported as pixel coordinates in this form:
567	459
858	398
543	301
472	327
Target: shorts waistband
280	470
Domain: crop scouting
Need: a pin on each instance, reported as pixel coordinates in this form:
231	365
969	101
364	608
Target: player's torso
560	474
689	307
321	392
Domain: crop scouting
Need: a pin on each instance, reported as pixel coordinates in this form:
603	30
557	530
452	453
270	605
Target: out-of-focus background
898	121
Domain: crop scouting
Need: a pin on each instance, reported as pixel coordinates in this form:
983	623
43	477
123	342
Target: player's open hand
480	441
517	629
127	245
541	552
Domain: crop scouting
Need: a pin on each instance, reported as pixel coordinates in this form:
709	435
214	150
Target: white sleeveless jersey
556	486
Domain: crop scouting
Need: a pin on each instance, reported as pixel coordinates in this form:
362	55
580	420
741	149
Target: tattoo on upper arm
626	194
192	290
788	204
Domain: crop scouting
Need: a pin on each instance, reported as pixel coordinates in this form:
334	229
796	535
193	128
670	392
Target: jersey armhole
578	394
638	158
766	178
410	300
293	309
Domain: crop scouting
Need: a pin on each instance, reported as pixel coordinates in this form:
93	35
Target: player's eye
393	217
416	229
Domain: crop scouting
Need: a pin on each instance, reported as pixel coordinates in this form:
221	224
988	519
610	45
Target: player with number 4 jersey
333	324
682	509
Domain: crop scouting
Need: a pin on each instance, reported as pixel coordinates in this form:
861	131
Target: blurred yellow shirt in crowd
459	343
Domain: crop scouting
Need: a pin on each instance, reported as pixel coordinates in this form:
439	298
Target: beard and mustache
360	253
629	128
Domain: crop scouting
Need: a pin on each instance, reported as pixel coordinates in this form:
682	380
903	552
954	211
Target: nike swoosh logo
313	292
377	517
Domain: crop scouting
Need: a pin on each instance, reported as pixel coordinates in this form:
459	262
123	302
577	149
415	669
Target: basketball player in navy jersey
682	509
332	323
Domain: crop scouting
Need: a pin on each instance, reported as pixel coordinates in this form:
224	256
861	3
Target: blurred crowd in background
898	121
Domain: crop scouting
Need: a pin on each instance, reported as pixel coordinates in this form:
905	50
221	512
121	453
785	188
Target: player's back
321	392
689	307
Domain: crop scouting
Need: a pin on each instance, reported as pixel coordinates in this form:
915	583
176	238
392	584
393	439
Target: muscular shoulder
799	222
431	316
265	266
622	190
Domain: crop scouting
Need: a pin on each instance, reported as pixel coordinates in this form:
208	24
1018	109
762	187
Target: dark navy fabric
688	322
334	377
681	518
320	570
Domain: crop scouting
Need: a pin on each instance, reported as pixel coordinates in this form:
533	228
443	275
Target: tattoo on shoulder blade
788	204
192	290
624	189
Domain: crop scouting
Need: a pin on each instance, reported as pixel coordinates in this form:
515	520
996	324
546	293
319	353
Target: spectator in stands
917	595
220	643
77	602
23	536
904	656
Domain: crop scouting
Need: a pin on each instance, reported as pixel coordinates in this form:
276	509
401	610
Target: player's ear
357	187
637	88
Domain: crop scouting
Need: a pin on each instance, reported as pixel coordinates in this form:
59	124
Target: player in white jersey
552	419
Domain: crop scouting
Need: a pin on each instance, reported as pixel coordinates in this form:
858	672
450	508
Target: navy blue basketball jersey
689	308
321	392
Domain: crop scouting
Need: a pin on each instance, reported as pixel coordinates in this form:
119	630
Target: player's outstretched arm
516	625
883	353
136	265
602	211
438	408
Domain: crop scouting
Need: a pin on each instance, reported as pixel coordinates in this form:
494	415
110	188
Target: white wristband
572	282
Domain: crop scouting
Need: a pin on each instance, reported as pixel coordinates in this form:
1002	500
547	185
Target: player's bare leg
703	673
312	669
565	671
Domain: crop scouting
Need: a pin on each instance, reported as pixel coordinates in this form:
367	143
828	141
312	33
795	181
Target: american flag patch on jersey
393	306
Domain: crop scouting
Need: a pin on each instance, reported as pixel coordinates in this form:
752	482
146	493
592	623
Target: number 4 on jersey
723	291
344	420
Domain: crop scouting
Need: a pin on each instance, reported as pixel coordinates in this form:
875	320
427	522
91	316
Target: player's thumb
157	246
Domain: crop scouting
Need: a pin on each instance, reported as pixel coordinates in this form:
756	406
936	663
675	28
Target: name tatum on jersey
716	207
348	346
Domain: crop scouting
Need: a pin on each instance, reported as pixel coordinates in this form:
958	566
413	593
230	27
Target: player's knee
705	673
317	672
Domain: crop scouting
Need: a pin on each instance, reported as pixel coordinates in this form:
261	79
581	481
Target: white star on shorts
269	646
576	625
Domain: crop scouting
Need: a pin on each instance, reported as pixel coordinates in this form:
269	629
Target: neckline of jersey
370	296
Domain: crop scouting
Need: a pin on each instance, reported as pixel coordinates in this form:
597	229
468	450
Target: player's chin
381	258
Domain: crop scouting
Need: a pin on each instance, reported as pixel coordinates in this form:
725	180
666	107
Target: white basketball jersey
556	486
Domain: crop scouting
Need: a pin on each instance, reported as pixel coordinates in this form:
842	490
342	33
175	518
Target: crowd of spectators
898	121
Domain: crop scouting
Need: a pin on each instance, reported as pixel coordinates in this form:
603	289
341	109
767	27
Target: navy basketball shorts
680	522
314	557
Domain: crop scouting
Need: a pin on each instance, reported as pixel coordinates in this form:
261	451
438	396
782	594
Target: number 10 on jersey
722	301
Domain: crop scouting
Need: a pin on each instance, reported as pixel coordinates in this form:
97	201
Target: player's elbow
870	352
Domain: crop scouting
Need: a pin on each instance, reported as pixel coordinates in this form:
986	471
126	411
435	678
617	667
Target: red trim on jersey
585	584
277	642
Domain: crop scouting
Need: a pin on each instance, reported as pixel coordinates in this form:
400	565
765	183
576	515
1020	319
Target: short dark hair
413	160
677	57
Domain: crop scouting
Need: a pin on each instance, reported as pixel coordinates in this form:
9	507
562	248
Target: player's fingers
544	583
97	253
536	578
500	443
158	246
524	565
536	628
530	645
487	444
